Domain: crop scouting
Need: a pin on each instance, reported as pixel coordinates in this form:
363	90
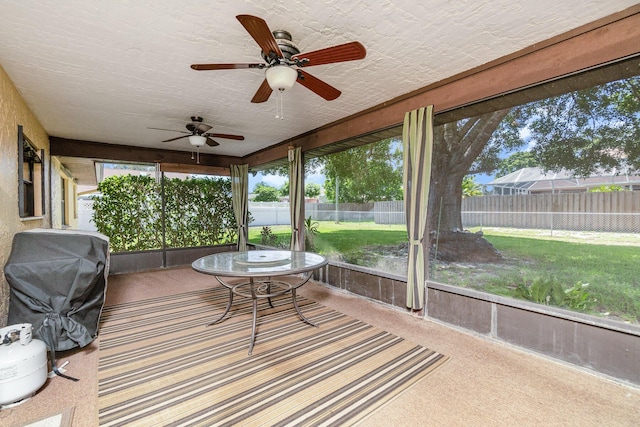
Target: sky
278	181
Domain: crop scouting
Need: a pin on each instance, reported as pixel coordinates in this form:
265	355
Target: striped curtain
239	199
417	137
296	200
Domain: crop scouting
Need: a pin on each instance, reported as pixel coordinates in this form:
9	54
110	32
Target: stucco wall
58	171
13	112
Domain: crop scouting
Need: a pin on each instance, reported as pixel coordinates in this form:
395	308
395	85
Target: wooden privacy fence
389	212
612	211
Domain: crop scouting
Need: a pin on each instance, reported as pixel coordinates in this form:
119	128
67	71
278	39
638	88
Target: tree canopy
592	129
312	190
516	161
470	187
265	193
366	173
588	130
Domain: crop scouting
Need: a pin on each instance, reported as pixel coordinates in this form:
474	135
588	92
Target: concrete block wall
607	347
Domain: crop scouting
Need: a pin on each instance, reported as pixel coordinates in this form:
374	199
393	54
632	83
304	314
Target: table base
260	289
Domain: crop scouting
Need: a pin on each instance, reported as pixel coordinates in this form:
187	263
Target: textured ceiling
106	71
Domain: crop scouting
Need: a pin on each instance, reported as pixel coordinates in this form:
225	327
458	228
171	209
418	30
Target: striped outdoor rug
161	366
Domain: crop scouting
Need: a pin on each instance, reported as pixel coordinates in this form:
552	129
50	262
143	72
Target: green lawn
537	265
612	272
342	237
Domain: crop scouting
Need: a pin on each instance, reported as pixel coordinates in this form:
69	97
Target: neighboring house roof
536	180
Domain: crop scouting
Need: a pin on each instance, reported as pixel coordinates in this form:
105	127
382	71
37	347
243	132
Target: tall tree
367	173
597	128
284	190
265	193
457	149
312	190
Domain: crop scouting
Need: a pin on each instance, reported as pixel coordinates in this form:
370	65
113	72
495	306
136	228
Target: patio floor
484	383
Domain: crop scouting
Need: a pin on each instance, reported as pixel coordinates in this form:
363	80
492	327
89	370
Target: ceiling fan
284	62
198	133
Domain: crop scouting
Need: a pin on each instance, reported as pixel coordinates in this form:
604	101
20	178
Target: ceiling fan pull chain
279	105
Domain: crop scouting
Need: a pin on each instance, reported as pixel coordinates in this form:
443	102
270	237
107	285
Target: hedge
198	212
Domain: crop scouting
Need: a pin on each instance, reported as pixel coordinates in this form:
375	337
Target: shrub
267	238
197	212
311	229
549	291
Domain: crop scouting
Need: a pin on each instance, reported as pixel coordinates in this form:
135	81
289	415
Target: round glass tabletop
258	263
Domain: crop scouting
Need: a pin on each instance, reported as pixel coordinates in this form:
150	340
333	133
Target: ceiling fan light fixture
281	77
197	140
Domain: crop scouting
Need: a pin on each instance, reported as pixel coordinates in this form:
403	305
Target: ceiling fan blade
224	135
259	30
170	130
206	67
201	127
317	86
340	53
174	139
263	93
211	142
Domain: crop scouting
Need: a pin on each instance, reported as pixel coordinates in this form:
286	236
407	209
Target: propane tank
23	364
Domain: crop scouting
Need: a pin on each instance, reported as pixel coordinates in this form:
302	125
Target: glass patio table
259	268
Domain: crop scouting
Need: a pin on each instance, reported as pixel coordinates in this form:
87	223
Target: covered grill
58	281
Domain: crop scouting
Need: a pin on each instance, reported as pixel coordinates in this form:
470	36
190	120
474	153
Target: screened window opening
30	178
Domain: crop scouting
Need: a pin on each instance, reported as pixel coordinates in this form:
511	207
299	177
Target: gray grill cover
58	281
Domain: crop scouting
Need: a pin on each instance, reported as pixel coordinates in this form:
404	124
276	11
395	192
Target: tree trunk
456	146
445	200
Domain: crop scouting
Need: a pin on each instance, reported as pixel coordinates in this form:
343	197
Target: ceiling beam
195	169
125	153
608	39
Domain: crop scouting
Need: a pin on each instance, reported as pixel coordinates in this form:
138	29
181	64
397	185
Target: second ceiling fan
201	132
284	62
